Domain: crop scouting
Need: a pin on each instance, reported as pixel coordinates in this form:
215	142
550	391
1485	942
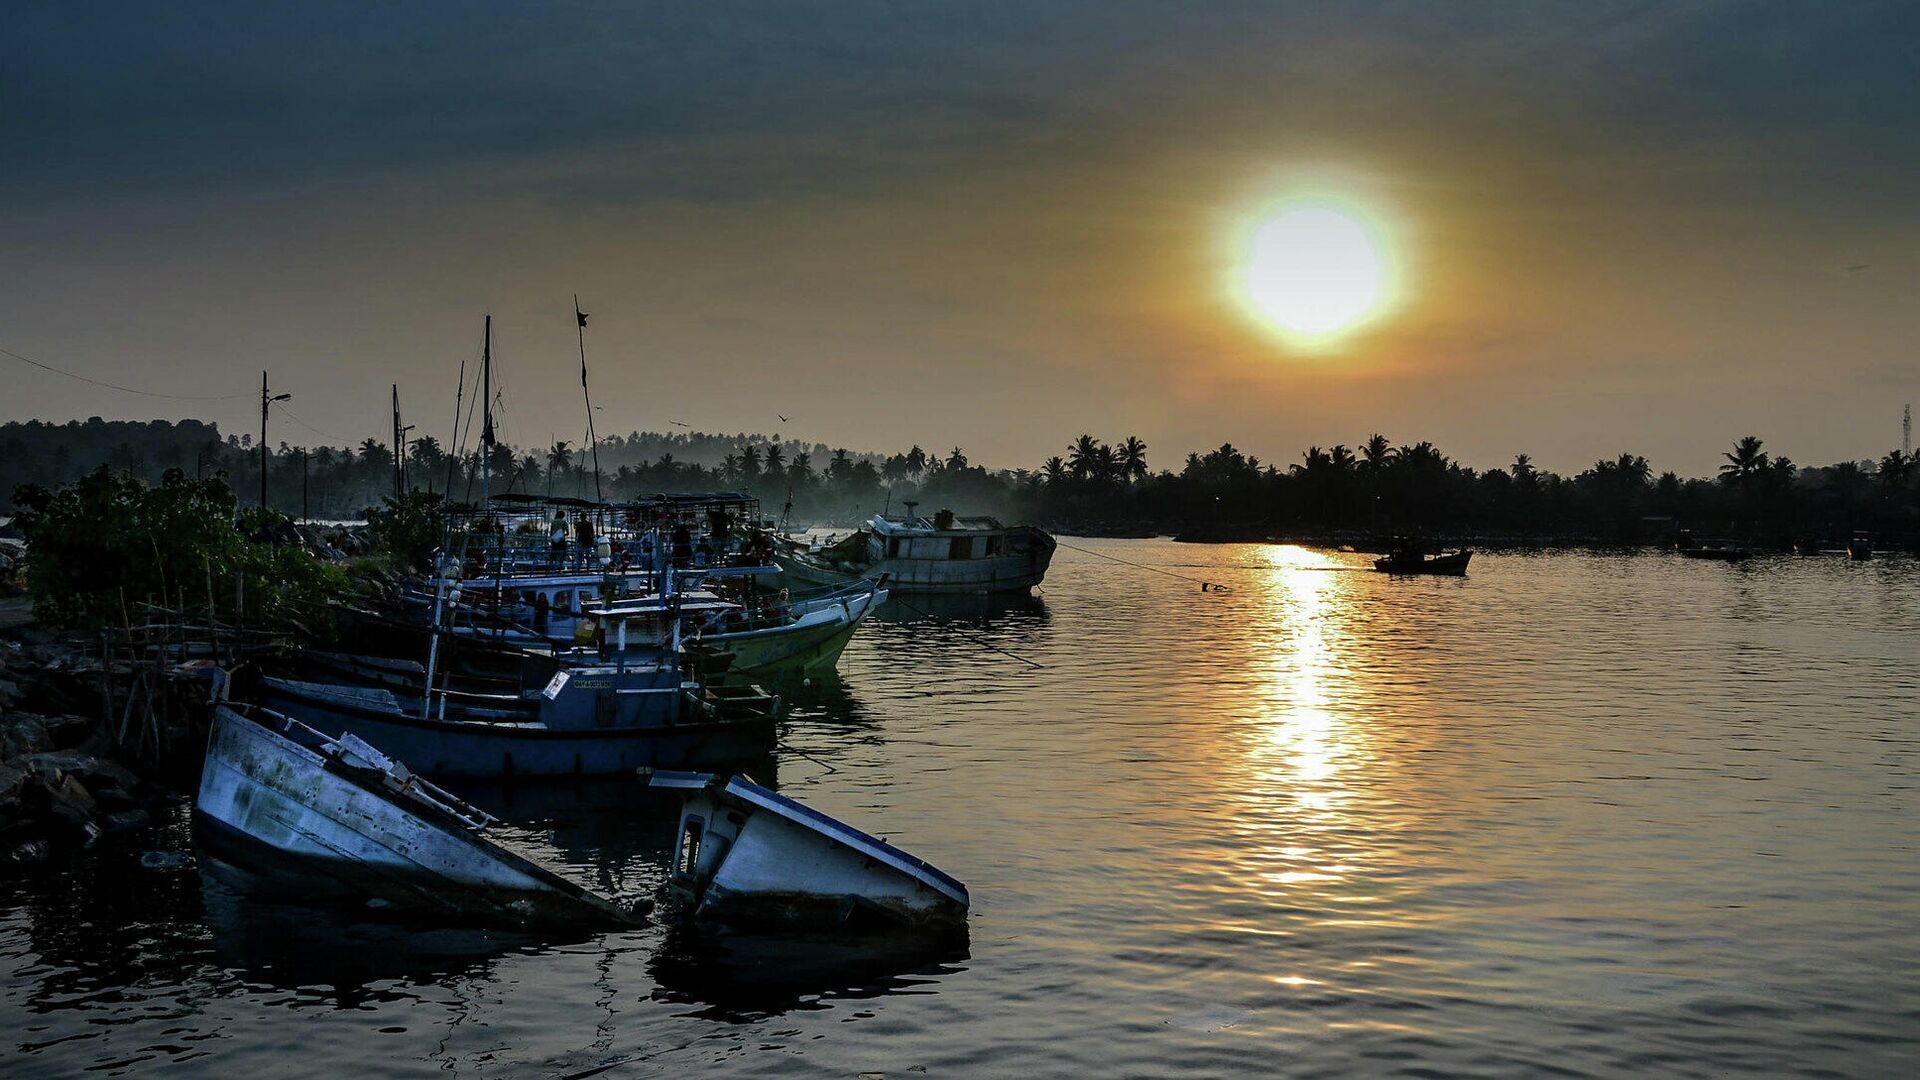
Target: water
1573	815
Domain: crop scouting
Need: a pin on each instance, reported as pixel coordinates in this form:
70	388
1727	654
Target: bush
408	528
105	543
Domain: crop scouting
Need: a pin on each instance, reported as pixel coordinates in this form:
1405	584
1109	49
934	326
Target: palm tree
956	460
1083	457
750	462
1375	453
1744	463
1054	470
1895	468
917	460
776	460
1133	459
895	469
1633	470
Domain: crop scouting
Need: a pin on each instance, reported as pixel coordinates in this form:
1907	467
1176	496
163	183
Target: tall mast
486	417
453	434
593	440
398	450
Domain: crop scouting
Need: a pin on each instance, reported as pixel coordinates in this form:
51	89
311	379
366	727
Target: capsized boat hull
274	789
751	858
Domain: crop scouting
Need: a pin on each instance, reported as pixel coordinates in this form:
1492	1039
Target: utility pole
305	516
1906	431
264	402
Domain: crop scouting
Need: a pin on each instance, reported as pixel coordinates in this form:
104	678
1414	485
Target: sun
1313	270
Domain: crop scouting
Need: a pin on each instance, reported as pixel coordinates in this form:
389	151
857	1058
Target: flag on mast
580	317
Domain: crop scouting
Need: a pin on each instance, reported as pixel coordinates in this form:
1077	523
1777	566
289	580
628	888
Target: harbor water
1571	815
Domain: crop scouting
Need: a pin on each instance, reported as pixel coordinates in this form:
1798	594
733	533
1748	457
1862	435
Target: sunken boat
276	793
749	857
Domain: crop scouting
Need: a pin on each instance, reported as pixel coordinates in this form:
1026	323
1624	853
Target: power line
117	386
288	413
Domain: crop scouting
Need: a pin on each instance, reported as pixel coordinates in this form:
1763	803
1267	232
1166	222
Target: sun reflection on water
1302	765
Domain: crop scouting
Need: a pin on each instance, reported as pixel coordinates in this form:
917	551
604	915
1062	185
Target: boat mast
593	440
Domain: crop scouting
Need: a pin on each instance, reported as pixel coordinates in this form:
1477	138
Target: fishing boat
280	793
797	635
1414	561
1716	550
941	554
749	857
587	720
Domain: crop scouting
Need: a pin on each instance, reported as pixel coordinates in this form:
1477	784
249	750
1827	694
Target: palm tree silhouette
1133	459
1744	463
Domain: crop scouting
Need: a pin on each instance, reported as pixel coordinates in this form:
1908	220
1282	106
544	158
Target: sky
1650	227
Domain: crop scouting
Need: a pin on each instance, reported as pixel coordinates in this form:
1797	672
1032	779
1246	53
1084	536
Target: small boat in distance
749	857
279	795
1716	550
1412	560
941	554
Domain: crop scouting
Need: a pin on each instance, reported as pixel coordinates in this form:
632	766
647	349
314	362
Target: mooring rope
1205	585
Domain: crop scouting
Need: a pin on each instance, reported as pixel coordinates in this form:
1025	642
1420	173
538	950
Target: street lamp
265	401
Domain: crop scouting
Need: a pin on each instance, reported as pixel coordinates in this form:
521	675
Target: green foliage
408	528
105	543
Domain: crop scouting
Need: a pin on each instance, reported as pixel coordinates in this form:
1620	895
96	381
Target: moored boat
1411	561
279	792
748	857
803	635
588	720
1716	551
941	554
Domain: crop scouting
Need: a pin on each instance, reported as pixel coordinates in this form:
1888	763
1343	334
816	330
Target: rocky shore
62	781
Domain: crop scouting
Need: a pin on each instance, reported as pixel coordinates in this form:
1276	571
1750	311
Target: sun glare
1314	270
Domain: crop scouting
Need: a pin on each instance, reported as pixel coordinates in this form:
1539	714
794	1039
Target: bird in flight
782	418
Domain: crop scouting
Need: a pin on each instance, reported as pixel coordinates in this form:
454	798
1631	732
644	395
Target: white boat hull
263	793
748	857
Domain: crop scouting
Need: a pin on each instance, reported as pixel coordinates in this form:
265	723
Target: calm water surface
1573	815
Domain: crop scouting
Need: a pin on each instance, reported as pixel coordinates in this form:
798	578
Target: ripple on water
1579	815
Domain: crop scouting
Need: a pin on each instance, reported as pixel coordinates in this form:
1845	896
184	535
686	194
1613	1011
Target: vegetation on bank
1092	485
103	548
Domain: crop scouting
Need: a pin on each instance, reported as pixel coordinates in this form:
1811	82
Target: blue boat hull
485	751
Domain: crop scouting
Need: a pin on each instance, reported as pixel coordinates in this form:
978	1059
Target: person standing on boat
682	545
559	533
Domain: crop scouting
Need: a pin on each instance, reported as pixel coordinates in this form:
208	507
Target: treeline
1093	486
1416	489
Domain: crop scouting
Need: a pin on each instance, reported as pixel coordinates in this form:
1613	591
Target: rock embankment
59	784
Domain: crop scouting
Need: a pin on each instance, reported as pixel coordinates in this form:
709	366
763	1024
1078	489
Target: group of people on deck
658	548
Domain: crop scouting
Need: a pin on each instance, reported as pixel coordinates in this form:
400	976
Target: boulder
91	771
22	734
67	732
